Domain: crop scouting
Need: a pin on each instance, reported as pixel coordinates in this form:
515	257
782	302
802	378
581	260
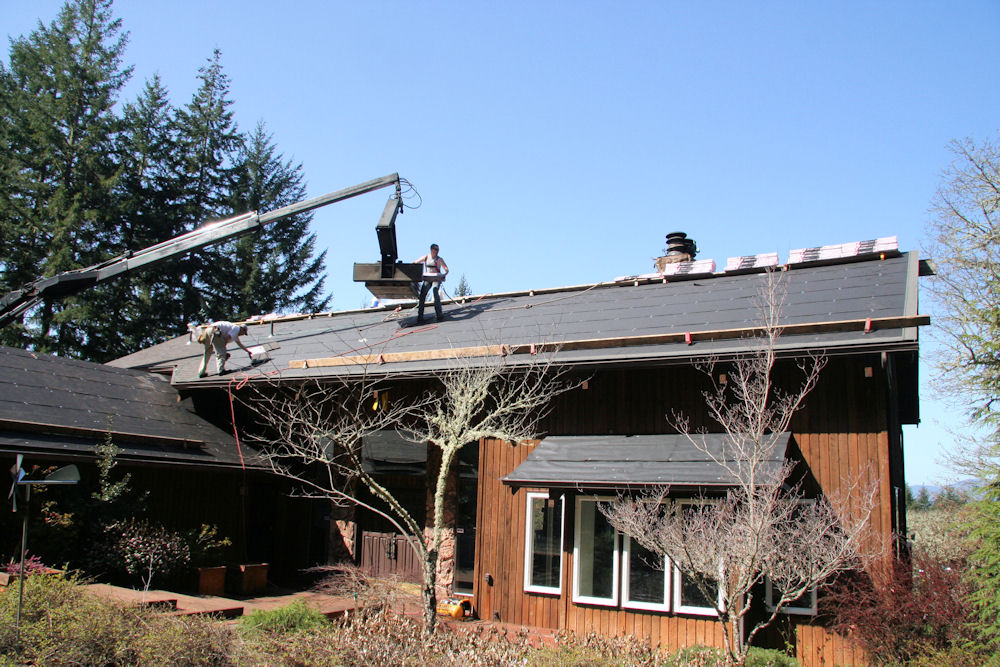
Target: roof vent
679	249
679	244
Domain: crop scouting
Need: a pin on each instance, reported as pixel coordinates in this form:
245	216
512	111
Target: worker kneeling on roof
435	271
215	337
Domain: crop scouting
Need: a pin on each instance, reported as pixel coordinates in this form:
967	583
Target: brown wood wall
841	430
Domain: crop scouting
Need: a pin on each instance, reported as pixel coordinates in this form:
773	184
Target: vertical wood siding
842	432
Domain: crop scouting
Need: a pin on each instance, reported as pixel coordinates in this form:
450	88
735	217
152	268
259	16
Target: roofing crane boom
15	303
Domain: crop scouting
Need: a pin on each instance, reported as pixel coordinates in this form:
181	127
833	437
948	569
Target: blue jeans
424	288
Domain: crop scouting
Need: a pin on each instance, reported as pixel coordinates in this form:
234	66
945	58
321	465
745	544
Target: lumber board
390	357
602	343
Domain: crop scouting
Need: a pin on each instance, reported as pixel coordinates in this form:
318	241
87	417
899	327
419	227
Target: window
690	592
804	604
644	578
543	544
689	597
595	555
465	521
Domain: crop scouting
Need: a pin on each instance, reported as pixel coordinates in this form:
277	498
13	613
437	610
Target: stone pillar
343	538
446	556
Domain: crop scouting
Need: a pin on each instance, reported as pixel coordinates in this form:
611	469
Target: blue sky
557	143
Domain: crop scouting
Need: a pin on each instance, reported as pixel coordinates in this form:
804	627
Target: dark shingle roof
816	294
63	407
637	460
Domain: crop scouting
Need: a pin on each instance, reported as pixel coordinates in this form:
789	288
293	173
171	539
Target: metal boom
15	303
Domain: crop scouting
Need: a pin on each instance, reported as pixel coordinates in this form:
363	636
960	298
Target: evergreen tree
208	140
985	572
58	94
923	501
274	269
463	288
147	211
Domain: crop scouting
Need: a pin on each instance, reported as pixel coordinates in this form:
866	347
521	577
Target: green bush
696	656
769	657
294	617
183	641
63	623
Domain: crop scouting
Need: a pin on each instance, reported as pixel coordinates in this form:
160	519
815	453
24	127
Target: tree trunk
429	592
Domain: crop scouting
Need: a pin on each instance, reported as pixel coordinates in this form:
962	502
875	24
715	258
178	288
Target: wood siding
842	432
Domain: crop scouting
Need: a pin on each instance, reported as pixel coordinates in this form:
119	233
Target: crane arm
15	303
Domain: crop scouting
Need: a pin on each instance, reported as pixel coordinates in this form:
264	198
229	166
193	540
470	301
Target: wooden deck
184	605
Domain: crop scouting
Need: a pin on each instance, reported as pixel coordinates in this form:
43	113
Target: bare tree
316	435
762	527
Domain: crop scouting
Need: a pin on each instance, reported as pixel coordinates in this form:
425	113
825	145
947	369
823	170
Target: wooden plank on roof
391	357
691	337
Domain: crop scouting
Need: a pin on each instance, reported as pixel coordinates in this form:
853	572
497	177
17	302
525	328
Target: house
55	411
529	546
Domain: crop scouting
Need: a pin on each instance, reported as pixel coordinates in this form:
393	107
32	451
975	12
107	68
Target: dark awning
391	453
637	460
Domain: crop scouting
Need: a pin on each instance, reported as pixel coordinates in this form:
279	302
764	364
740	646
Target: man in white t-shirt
215	337
434	274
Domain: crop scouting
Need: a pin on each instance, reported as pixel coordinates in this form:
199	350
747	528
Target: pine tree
58	97
985	570
463	288
923	501
274	269
147	211
208	140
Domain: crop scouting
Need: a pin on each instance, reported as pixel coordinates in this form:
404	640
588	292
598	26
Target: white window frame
626	568
680	608
615	573
811	610
529	544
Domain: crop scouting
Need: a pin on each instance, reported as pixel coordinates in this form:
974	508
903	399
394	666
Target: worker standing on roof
215	337
435	270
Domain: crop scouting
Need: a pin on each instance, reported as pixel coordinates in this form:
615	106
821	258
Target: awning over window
390	453
636	460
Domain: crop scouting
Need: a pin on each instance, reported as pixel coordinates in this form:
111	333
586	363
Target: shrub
186	640
941	534
705	656
206	547
904	614
147	550
294	617
63	623
32	565
769	657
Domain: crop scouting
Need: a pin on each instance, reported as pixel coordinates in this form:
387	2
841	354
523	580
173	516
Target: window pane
546	542
691	594
645	575
597	553
465	525
804	601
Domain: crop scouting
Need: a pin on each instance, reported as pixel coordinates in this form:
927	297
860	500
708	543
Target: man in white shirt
434	274
215	337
